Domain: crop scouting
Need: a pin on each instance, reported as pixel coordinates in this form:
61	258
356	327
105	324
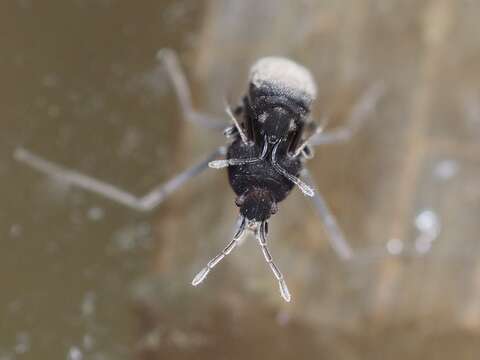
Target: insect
270	138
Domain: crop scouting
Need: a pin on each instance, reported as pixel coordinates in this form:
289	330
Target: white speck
95	213
423	245
284	75
133	237
88	342
125	242
446	169
14	306
179	338
283	318
41	101
428	224
75	354
50	80
395	246
23	343
88	304
15	230
53	111
131	141
182	339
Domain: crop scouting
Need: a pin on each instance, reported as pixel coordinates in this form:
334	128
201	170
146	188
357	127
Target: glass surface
83	277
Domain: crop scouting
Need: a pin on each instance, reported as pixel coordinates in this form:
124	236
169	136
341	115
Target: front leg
220	164
360	112
169	59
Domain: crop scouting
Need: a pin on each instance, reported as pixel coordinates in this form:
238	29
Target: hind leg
335	234
359	114
111	192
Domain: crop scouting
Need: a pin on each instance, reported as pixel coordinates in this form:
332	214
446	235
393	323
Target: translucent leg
145	203
261	235
360	113
301	148
169	58
335	234
237	125
305	147
202	274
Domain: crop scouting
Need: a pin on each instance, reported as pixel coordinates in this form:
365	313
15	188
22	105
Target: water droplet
50	80
395	246
23	343
428	224
88	342
88	304
95	213
15	230
74	354
446	169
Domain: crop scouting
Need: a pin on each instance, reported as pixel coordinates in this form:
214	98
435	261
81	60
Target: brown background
80	86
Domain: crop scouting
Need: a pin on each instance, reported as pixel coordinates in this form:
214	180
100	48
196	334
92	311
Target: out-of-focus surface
85	278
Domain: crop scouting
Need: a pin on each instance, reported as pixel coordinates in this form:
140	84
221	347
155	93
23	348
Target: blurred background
85	278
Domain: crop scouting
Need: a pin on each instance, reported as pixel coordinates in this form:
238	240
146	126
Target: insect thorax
261	174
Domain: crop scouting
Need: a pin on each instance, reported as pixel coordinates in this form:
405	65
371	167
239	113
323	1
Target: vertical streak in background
436	23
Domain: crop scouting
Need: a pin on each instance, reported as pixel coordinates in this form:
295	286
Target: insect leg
202	274
304	147
145	203
261	235
219	164
169	59
237	125
335	234
360	112
306	189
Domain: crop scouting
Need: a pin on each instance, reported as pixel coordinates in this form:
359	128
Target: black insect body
267	150
265	158
258	185
259	180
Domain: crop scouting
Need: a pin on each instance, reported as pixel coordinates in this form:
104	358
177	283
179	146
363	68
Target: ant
265	157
